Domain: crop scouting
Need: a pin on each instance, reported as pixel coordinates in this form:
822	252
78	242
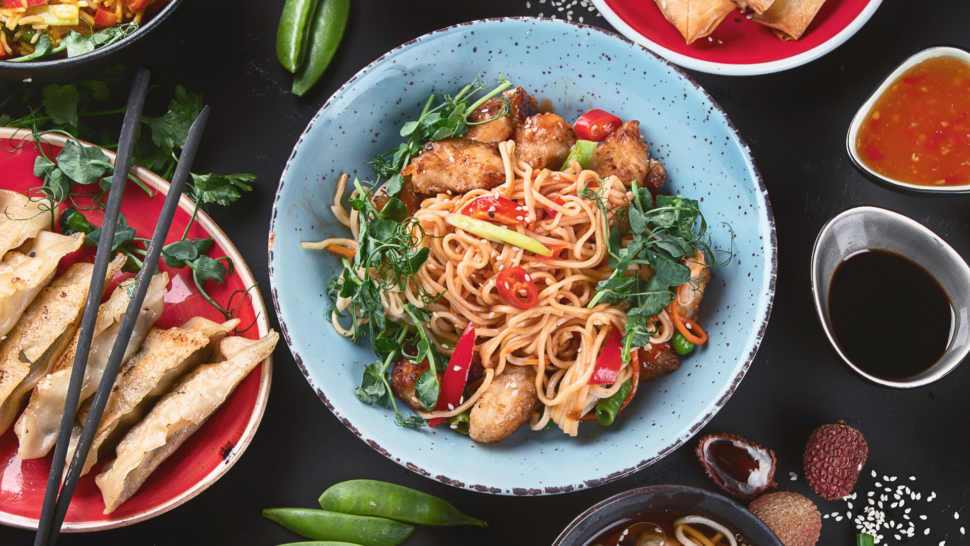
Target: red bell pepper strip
512	280
553	212
105	17
497	209
596	125
610	360
456	376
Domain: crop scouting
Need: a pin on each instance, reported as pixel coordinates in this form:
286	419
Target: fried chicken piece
658	360
521	107
624	154
700	275
506	406
404	375
455	165
544	141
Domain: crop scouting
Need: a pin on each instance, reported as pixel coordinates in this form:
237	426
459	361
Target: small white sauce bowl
863	113
864	228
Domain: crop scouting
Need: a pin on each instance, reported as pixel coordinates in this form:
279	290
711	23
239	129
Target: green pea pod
327	543
330	526
373	498
291	38
607	408
325	33
582	152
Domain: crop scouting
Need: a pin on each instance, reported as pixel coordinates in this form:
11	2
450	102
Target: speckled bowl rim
772	255
266	376
626	497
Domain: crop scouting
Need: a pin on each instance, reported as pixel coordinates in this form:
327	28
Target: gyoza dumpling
42	334
177	415
20	219
164	357
22	276
38	427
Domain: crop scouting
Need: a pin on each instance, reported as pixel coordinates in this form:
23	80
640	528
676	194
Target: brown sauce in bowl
890	317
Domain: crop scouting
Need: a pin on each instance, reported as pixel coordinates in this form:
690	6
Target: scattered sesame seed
956	515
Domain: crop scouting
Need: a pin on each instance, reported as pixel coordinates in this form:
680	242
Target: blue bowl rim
771	249
625	497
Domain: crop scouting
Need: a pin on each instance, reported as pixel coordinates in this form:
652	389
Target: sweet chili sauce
918	131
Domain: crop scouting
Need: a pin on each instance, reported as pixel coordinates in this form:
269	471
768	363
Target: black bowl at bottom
671	500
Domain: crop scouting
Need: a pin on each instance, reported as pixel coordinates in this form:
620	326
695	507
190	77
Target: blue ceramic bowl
577	68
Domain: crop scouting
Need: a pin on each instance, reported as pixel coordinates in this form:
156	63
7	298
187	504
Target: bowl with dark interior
642	511
866	229
88	64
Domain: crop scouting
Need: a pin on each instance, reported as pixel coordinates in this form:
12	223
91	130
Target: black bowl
675	500
98	60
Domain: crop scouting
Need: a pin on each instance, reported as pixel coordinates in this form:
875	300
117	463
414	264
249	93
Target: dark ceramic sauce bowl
84	66
672	501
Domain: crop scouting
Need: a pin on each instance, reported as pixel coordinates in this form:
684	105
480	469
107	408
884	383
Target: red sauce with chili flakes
918	131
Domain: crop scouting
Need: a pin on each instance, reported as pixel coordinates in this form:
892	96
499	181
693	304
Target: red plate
739	46
214	448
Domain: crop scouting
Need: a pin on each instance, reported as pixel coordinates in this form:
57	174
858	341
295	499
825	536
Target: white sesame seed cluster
567	9
878	516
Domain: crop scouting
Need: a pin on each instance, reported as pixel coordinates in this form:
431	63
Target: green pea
28	35
326	30
680	344
330	526
386	500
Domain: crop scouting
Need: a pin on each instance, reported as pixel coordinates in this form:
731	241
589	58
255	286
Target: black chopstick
128	322
126	147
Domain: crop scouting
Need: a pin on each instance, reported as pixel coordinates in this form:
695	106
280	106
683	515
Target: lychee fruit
834	457
791	516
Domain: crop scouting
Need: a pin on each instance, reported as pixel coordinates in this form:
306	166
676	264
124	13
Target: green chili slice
386	500
326	31
607	408
330	526
582	152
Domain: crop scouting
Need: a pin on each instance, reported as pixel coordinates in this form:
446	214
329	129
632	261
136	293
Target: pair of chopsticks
55	507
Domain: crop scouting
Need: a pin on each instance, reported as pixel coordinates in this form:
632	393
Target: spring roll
178	415
164	357
42	334
758	6
20	219
788	19
38	427
695	18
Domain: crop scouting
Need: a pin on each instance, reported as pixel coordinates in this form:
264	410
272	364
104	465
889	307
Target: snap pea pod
317	543
373	498
291	37
326	30
607	408
330	526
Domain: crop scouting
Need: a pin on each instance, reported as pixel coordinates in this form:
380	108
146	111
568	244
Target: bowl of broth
914	130
657	515
891	295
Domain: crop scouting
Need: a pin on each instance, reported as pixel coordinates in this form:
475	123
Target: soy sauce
890	317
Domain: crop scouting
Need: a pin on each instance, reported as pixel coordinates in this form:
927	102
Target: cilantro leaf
172	128
221	189
61	103
413	421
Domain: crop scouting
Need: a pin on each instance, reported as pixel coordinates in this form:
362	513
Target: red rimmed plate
214	448
739	46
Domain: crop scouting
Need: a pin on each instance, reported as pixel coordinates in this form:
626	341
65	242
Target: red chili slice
596	125
497	209
513	280
610	360
553	212
456	376
105	18
555	249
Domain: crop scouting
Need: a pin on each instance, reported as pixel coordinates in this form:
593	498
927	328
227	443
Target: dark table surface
795	123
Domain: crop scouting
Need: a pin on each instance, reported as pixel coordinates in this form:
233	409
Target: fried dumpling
20	219
23	276
178	415
41	335
164	357
38	427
